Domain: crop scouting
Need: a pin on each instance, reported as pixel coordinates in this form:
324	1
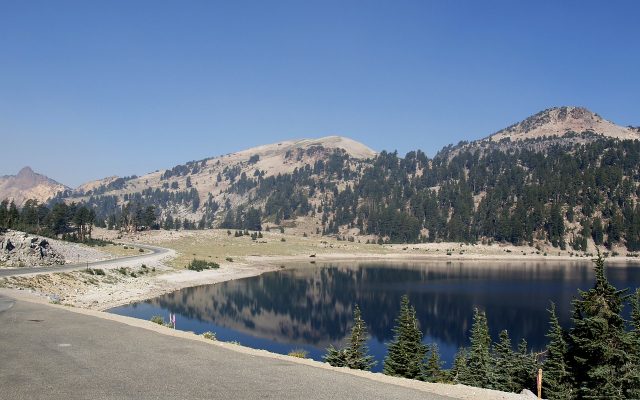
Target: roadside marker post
539	381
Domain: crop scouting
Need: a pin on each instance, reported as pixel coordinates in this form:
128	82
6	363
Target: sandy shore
127	281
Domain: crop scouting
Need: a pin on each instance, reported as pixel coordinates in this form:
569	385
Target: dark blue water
308	308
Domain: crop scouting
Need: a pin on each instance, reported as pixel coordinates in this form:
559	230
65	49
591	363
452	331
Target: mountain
564	177
559	121
29	185
201	189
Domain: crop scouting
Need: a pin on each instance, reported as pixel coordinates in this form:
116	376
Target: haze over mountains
556	177
27	184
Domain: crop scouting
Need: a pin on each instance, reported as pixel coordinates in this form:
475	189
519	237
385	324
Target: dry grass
119	250
216	245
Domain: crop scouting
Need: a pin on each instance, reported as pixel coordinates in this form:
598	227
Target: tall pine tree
504	364
433	367
479	363
556	384
599	347
459	372
406	352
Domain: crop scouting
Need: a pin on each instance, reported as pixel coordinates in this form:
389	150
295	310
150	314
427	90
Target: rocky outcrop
18	249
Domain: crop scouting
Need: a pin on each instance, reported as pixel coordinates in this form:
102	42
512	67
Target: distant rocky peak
26	172
558	121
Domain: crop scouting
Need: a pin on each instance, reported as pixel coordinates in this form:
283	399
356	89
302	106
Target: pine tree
355	355
336	357
503	364
631	372
356	351
556	383
459	373
479	363
433	368
525	368
599	346
406	351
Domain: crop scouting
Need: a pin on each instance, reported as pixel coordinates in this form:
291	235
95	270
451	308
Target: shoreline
105	296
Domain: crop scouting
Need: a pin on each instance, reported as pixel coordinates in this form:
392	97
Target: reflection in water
311	307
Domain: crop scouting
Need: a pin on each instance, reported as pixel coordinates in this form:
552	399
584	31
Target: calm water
310	307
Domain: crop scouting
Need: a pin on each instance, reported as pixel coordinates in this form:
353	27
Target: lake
310	306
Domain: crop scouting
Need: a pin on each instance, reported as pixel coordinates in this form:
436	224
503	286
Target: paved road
155	252
52	353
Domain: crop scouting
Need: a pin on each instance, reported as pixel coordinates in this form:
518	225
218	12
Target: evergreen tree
504	364
4	213
460	371
525	368
406	351
355	355
433	368
336	357
556	384
357	351
479	363
631	374
13	216
599	346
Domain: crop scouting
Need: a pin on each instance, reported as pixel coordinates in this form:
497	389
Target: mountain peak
27	184
558	121
25	172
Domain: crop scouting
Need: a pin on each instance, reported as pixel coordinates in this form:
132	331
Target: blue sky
90	89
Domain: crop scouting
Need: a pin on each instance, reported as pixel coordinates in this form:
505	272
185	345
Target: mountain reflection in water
310	307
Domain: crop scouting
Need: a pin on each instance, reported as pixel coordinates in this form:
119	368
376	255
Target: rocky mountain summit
27	184
559	121
18	249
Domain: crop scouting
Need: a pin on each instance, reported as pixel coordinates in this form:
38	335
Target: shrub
199	265
229	259
141	250
209	335
158	319
299	353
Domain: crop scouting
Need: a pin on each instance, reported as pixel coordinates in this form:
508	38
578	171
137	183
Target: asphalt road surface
52	353
155	252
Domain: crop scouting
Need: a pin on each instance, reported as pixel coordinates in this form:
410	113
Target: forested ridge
574	190
568	193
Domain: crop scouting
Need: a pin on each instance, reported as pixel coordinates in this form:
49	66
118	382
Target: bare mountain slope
559	121
28	185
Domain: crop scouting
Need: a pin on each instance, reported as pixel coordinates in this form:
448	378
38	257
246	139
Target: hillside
559	121
564	177
28	185
199	190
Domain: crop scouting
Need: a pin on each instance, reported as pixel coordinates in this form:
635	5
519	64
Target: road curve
156	252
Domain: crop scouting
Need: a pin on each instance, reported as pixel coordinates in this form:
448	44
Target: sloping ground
561	120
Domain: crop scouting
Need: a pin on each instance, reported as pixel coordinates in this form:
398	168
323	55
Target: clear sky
90	89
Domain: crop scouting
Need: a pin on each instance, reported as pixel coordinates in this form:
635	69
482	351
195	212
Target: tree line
598	356
72	222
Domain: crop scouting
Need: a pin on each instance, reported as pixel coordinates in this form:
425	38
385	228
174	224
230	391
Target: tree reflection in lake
311	307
